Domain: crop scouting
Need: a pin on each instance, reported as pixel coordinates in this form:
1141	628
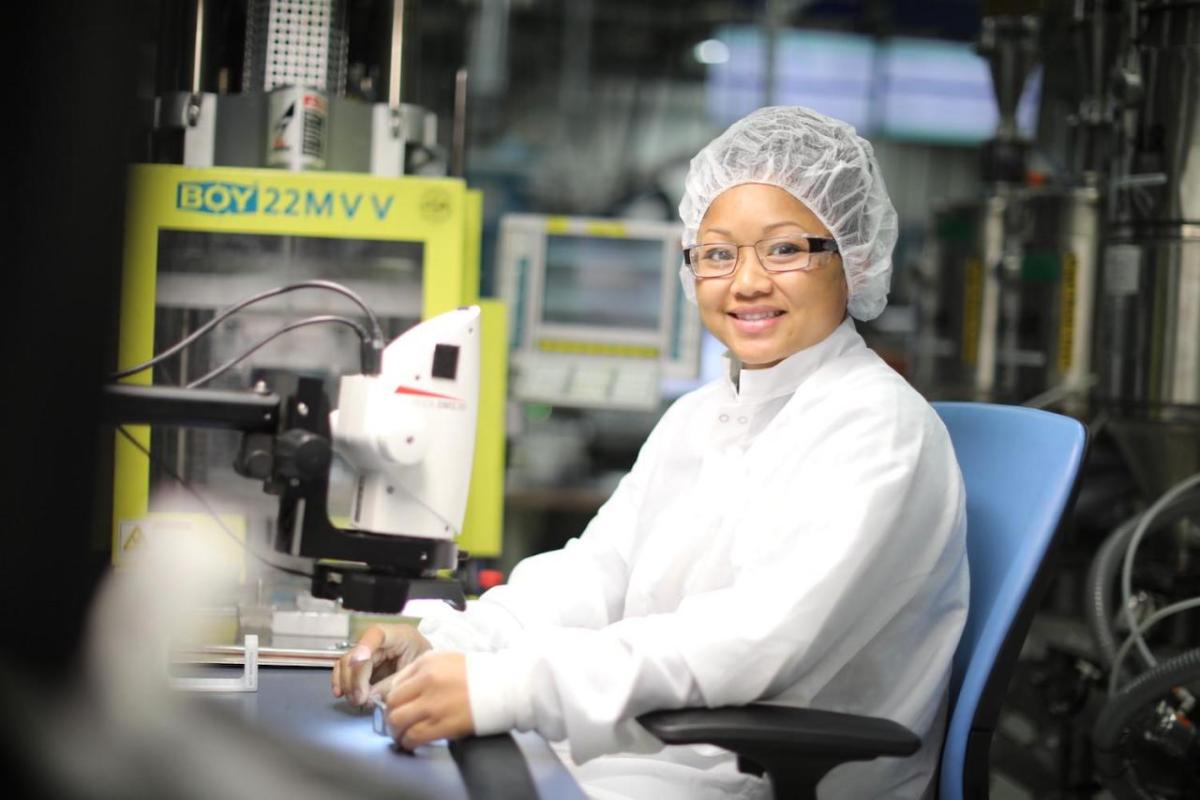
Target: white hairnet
821	162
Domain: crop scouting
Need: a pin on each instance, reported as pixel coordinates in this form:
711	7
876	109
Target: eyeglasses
777	254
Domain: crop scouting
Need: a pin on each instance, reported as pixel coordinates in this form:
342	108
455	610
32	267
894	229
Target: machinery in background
1147	361
1082	293
598	316
278	89
279	161
1008	308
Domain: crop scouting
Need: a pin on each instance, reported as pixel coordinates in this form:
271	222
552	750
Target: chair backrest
1020	468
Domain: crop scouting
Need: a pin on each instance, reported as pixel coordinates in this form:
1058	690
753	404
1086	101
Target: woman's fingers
382	687
335	678
420	733
380	651
351	674
402	718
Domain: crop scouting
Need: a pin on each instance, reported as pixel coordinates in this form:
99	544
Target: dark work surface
295	702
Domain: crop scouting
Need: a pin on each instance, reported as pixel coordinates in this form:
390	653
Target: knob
302	454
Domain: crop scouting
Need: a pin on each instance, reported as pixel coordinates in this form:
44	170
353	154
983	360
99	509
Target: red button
489	578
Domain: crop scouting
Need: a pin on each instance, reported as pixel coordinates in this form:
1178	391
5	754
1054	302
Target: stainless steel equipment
969	251
977	319
1148	318
292	46
1044	342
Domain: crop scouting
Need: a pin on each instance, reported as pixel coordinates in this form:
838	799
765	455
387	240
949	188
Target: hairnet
821	162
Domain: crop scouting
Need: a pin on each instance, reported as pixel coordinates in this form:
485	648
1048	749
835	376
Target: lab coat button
742	420
723	418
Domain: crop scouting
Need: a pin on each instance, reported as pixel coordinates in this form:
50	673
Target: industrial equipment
1079	288
1084	292
406	427
1012	317
598	315
274	160
1148	305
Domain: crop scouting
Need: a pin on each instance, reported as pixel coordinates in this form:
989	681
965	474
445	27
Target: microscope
406	426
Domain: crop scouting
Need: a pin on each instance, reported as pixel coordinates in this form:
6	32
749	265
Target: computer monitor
598	317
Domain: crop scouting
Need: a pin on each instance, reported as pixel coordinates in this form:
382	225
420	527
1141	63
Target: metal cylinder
297	132
1147	342
1148	328
1148	321
1047	301
969	251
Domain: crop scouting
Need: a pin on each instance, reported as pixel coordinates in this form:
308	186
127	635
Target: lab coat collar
757	385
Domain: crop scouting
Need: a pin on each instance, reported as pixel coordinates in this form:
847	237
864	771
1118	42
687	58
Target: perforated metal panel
296	43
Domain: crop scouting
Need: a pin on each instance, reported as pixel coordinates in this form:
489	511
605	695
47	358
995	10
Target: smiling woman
792	532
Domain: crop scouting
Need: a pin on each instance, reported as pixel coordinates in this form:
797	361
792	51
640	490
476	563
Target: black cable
317	320
375	342
211	511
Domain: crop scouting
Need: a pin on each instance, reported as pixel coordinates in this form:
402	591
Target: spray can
297	128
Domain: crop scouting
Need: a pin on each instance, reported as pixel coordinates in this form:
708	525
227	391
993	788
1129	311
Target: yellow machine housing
434	221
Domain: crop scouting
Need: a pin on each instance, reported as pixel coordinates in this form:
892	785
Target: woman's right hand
370	665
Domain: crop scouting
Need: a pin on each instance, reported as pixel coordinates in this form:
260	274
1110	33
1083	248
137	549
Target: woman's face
765	317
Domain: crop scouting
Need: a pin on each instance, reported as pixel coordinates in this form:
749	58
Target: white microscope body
409	432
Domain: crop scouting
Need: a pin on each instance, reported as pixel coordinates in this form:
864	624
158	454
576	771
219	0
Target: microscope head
409	432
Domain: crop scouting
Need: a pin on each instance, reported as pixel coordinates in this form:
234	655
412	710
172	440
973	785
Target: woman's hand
370	667
428	700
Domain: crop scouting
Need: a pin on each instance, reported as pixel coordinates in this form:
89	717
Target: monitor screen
598	281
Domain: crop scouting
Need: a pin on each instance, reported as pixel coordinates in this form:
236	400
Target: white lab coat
797	539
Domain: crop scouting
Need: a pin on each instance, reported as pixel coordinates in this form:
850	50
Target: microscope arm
129	404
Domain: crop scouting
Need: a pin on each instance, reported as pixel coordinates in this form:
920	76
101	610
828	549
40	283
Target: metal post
458	154
395	67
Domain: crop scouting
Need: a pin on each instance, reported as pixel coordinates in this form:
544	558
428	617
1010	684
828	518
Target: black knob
302	454
255	457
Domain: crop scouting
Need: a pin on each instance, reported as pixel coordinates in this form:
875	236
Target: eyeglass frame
826	245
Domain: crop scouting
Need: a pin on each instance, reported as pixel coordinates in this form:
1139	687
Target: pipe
1176	495
1101	576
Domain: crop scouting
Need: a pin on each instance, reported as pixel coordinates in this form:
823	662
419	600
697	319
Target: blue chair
1020	467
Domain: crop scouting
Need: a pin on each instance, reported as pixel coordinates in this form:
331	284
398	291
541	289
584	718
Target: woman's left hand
428	700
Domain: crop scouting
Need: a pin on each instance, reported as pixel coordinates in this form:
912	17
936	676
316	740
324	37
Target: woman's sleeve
845	540
581	585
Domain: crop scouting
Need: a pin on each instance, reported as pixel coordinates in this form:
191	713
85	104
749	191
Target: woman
792	533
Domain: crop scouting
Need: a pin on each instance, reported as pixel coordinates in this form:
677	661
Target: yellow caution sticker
134	539
225	539
972	310
1066	313
598	349
607	228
